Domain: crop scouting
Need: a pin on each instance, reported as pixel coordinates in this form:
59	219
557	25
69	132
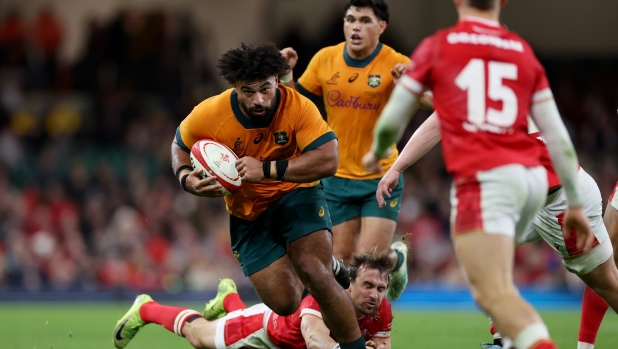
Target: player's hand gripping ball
216	159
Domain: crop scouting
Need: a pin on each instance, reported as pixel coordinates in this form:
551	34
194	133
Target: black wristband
266	169
282	169
183	167
183	182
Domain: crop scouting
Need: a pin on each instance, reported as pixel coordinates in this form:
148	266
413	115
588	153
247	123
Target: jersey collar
360	63
249	123
481	20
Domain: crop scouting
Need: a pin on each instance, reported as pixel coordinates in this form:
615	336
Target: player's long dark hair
252	63
482	4
381	262
379	7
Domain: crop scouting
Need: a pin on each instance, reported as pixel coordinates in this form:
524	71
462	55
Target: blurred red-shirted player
485	81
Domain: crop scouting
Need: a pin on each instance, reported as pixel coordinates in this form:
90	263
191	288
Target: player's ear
383	25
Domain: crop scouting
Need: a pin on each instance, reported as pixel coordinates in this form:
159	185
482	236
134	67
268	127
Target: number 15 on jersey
472	80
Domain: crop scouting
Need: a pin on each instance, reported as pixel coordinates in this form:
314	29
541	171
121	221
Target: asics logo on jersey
353	78
334	100
483	39
258	138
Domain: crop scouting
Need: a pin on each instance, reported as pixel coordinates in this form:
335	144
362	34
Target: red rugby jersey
484	79
284	331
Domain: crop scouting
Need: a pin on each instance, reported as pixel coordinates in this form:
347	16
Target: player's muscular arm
311	166
315	164
316	333
194	183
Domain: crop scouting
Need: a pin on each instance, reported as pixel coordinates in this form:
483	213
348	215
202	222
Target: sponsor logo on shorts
394	202
237	255
321	213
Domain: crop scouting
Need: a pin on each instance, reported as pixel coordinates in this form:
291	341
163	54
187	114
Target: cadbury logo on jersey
483	39
334	100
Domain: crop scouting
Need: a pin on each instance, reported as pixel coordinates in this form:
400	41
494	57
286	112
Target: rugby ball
217	159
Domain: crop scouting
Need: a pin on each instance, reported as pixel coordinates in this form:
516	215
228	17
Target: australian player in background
355	79
280	226
485	81
235	326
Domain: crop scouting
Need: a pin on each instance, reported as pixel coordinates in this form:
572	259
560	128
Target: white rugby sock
584	345
531	335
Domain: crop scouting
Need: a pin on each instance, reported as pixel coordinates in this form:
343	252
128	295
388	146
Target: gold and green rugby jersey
354	92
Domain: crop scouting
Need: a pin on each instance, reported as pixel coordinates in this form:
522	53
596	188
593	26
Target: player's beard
259	118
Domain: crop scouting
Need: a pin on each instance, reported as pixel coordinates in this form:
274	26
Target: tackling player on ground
596	267
355	79
228	323
280	226
485	81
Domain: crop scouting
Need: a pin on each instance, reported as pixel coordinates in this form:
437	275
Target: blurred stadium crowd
88	200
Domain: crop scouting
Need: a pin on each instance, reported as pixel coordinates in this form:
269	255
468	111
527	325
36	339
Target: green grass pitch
84	326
